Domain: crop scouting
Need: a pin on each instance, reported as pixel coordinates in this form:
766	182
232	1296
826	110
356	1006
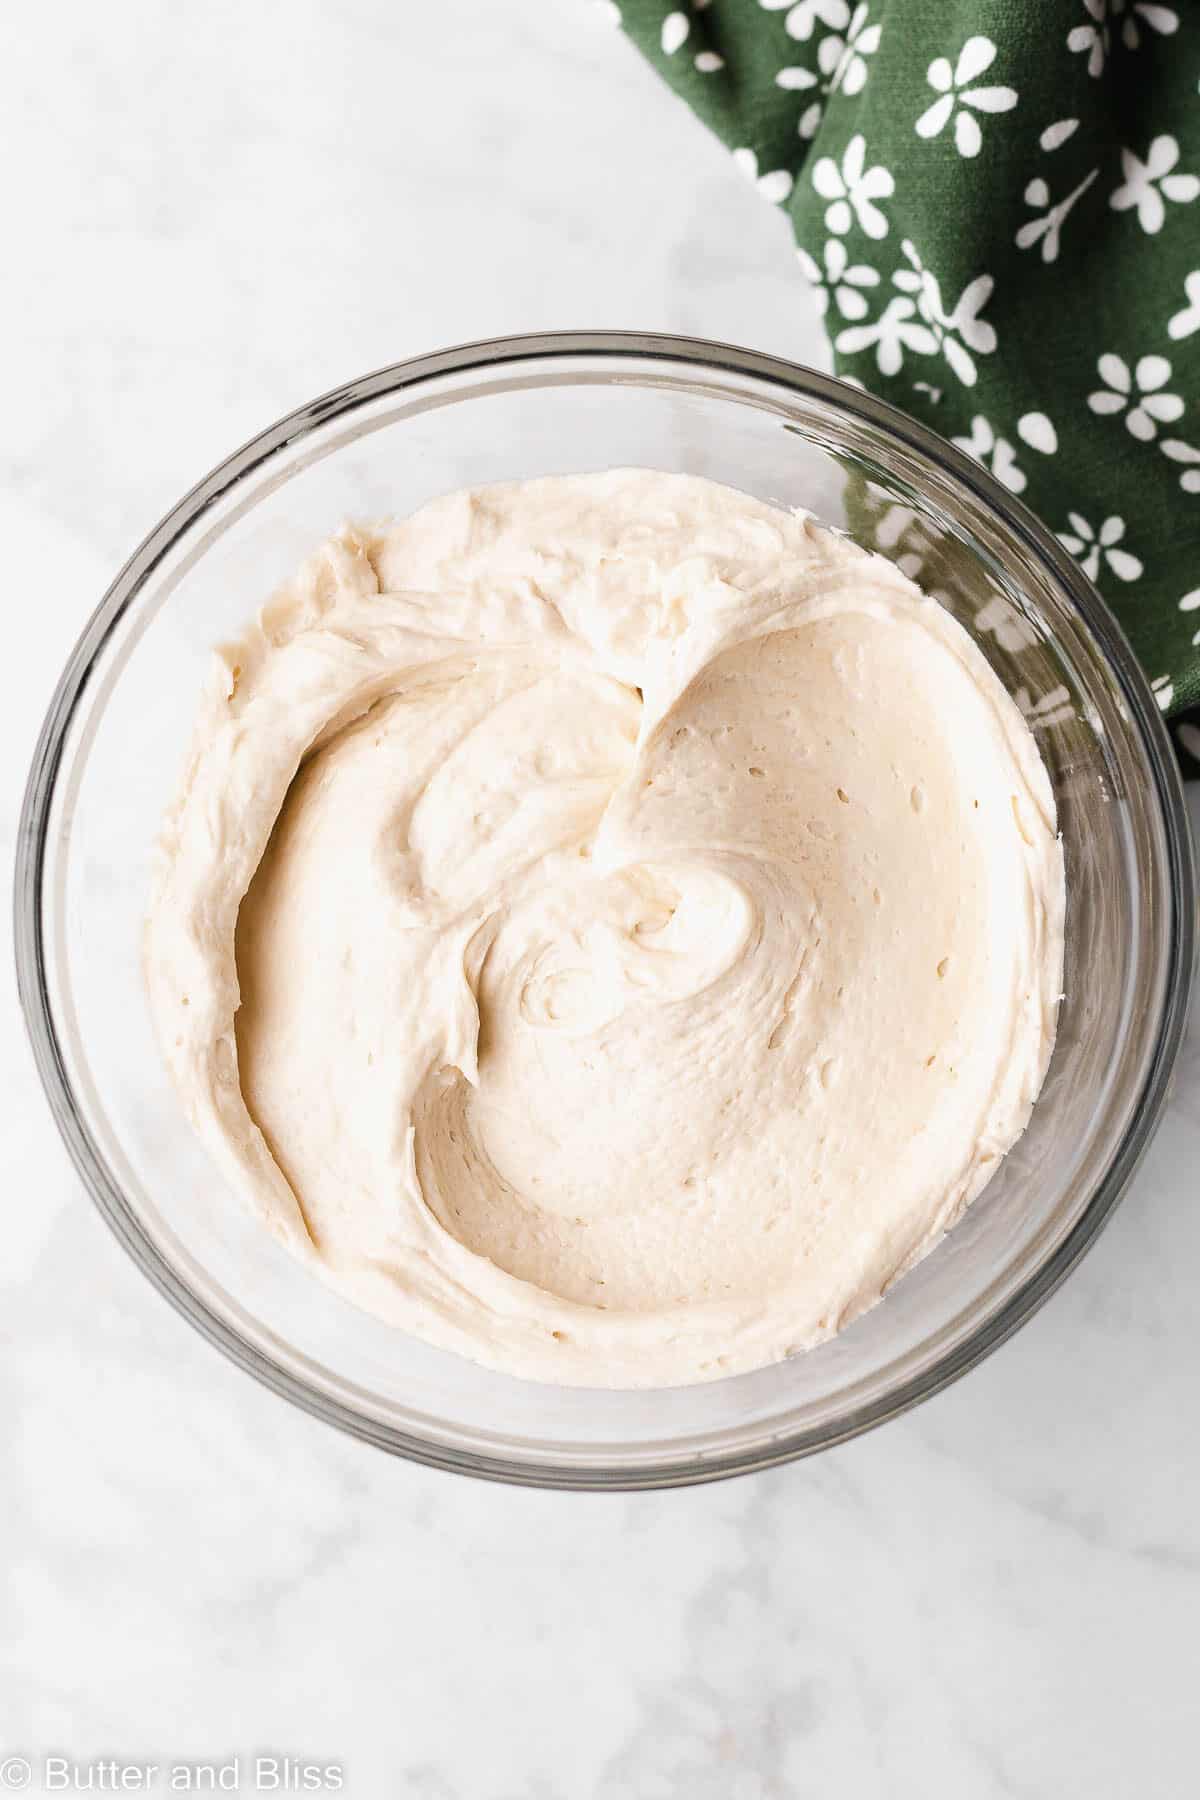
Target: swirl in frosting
609	926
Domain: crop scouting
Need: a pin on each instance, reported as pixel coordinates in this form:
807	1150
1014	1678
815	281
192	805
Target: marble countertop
214	214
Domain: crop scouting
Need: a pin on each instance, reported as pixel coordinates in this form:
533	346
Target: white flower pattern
961	330
995	453
852	190
674	33
893	525
1162	19
1011	631
1183	324
961	100
839	279
810	118
1139	395
1092	37
894	313
802	15
1189	456
1036	430
1094	548
1047	227
1054	708
1056	135
1147	185
774	186
842	62
896	330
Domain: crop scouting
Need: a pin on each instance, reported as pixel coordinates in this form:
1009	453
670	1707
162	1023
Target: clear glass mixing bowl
111	752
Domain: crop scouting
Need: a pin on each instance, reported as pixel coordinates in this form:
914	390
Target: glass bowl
112	748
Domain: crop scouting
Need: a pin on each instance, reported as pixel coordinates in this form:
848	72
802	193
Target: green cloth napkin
998	203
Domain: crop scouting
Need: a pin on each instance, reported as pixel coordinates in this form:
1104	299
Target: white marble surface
213	213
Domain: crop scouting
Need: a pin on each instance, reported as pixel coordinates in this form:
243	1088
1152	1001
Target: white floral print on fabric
1137	13
1163	689
803	15
896	330
852	190
1047	227
1086	146
675	29
1182	324
774	186
708	62
961	330
1148	185
844	60
1139	395
1190	602
1056	135
843	65
1001	618
1096	548
1036	430
803	79
1179	452
1054	708
995	453
898	526
1092	37
961	100
893	524
839	279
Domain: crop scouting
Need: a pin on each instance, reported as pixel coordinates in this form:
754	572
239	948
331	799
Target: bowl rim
800	382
